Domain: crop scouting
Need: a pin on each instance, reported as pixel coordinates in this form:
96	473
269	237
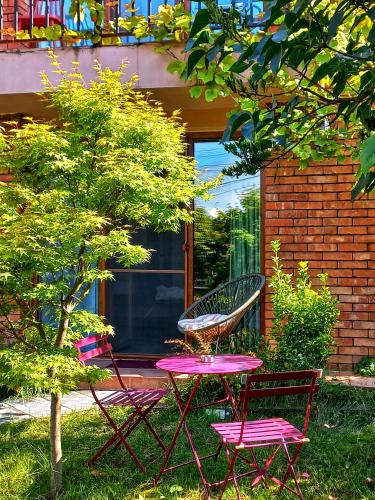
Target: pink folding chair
275	433
141	400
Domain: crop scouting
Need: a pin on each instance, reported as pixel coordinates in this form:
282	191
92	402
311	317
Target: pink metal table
191	364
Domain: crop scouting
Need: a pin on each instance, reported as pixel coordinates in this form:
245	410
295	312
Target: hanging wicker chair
218	313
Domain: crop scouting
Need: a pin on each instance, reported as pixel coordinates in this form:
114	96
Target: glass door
144	303
226	227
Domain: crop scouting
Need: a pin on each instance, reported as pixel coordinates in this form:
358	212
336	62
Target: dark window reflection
144	309
167	254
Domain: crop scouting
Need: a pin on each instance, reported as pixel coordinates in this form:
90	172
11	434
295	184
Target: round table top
191	364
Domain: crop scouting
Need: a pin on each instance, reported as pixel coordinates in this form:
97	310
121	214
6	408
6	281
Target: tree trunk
55	441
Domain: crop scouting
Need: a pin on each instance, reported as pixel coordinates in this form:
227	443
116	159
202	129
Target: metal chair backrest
97	345
309	388
232	299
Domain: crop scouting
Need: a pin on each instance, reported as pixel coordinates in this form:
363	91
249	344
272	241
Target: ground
338	463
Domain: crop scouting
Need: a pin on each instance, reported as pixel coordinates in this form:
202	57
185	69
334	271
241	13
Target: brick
308	188
338	169
364	307
271	214
364	272
280	205
352	230
291	180
365	221
352	281
308	222
323	247
363	325
323	230
322	179
293	196
293	230
319	264
364	342
337	188
364	290
349	332
347	273
293	213
352	247
338	239
353	350
280	222
346	290
308	238
355	299
297	247
323	196
363	255
358	212
351	316
339	256
310	205
339	358
308	255
365	238
344	341
338	221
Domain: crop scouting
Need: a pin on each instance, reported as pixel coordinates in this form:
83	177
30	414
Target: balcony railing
31	16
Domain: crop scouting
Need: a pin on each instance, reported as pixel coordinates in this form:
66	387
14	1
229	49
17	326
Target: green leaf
211	94
234	123
335	23
201	20
174	66
359	186
280	35
367	154
325	69
195	91
191	43
193	60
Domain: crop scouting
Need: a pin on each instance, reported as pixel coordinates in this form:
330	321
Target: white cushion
201	321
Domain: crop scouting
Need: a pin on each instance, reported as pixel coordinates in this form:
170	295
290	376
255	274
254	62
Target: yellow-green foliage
112	161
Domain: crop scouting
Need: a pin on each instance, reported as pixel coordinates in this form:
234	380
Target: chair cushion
199	322
259	432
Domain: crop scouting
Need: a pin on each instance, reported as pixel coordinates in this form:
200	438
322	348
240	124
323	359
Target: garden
112	162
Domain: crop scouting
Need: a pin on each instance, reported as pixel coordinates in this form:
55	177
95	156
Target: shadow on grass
339	461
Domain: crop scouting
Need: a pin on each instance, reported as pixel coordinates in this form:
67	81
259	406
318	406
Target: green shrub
366	367
303	317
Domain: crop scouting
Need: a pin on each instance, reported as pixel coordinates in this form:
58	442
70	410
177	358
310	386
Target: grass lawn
339	460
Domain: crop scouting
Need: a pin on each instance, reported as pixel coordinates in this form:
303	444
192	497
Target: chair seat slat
256	431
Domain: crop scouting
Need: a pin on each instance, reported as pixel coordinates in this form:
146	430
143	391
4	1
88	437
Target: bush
303	318
366	367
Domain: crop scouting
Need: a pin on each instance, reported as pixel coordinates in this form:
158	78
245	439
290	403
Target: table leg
183	412
235	414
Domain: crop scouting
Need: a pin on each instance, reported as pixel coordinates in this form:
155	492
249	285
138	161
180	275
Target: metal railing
25	15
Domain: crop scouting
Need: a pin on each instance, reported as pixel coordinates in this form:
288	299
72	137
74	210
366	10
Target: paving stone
9	414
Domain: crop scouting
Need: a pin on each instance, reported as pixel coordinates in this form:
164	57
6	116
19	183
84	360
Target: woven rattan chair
218	313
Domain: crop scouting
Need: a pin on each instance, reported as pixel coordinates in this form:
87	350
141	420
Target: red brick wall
8	11
311	213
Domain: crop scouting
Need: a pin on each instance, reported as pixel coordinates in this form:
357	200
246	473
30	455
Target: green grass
340	458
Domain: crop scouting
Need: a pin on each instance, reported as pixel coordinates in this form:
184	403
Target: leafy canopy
303	75
111	163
